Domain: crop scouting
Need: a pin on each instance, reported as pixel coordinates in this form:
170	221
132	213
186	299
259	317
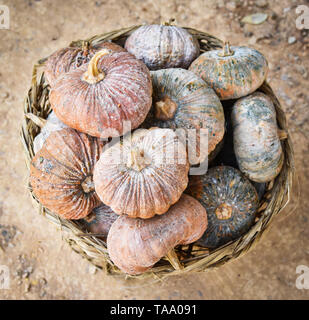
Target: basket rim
93	249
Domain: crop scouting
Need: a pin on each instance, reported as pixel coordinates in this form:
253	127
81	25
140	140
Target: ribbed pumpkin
61	173
163	46
135	245
52	124
144	174
233	72
100	97
230	200
182	100
70	58
257	137
101	221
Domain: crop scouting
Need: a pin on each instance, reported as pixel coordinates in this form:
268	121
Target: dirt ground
41	264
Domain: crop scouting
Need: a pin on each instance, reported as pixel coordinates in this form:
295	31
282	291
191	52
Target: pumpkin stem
93	74
85	47
165	109
169	22
136	160
227	51
224	211
88	185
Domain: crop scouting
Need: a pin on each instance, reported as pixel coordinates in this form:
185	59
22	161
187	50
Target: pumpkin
233	72
163	46
106	98
144	174
256	137
182	100
61	173
100	221
135	245
52	124
230	200
70	58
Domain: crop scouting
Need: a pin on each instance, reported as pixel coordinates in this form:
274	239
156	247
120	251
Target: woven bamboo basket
183	259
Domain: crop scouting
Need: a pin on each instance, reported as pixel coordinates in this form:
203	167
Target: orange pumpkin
70	58
61	173
100	97
135	245
142	175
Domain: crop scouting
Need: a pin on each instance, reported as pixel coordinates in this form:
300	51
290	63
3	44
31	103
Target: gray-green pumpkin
233	72
182	100
230	200
256	137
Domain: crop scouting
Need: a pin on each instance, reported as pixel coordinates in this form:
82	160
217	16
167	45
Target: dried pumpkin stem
169	22
136	160
173	259
85	47
224	211
227	51
165	109
88	185
93	74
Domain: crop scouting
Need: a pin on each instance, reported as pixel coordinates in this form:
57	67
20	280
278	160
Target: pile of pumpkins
106	155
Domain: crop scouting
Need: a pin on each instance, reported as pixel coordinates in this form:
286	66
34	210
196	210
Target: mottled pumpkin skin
149	184
61	173
104	217
257	145
224	186
197	107
135	245
162	46
52	124
100	109
70	58
232	76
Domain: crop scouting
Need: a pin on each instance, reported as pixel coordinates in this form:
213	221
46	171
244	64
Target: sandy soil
41	264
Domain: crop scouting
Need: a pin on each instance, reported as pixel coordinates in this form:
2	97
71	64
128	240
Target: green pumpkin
230	200
233	72
182	100
256	138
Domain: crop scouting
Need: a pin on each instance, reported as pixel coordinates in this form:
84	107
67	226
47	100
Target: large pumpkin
257	143
142	175
163	46
61	173
233	72
182	100
106	98
70	58
135	245
230	200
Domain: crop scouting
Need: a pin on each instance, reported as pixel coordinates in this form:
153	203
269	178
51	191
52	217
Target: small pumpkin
61	173
99	98
256	137
70	58
163	46
135	245
101	221
144	174
52	124
182	100
230	200
233	72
